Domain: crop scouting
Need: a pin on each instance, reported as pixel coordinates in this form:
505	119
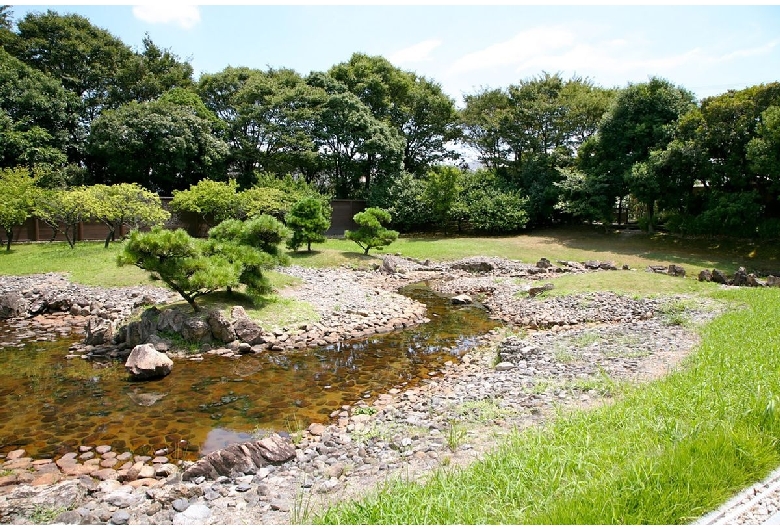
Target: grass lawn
636	249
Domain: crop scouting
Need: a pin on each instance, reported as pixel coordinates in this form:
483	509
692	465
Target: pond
50	405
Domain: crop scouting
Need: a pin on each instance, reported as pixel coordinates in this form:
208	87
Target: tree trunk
366	252
9	234
308	247
650	213
109	237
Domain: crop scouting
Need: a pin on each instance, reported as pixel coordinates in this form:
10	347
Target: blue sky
706	49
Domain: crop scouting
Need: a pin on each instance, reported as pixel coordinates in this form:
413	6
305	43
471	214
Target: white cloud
521	48
592	52
416	53
761	50
184	16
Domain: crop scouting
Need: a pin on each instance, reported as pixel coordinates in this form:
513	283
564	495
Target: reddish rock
144	482
108	462
18	463
46	479
105	474
316	429
13	455
146	472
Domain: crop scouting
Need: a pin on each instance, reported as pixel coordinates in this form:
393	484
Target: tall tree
148	74
414	106
17	198
85	58
531	129
642	119
354	145
35	115
160	145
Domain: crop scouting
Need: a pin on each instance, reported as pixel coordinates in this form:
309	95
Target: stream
51	405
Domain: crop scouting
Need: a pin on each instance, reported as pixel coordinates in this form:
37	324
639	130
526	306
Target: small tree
65	208
17	193
213	201
125	204
308	221
180	261
371	233
254	244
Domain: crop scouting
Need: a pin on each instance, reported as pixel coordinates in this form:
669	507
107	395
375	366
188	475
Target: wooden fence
36	230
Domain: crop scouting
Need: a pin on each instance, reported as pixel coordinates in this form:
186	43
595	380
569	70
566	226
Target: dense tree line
80	107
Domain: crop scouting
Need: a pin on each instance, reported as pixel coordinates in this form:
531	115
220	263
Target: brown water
50	405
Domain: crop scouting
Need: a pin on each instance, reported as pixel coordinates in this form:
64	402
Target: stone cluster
741	278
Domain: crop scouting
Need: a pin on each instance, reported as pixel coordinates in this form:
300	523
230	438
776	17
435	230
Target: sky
707	49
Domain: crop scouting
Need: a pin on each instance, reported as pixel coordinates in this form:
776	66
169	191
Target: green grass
664	453
88	263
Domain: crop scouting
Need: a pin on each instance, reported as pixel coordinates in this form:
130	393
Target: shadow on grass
722	252
223	300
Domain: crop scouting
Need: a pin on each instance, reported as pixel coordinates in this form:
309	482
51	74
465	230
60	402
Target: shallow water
50	405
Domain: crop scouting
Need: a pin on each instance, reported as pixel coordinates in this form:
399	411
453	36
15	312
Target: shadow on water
51	405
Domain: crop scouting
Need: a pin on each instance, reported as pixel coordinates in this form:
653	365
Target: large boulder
13	305
221	328
705	276
544	263
740	277
534	291
171	320
99	331
248	331
474	265
676	270
145	363
390	265
139	331
194	329
242	458
773	281
461	299
718	276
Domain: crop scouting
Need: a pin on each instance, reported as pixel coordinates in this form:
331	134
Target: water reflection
50	405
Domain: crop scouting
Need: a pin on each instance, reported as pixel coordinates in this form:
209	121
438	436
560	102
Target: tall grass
666	453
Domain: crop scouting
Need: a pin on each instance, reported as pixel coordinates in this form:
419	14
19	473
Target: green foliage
181	262
308	223
415	107
36	114
275	196
213	201
496	211
17	198
442	190
371	233
161	145
253	245
121	204
65	208
403	198
489	204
